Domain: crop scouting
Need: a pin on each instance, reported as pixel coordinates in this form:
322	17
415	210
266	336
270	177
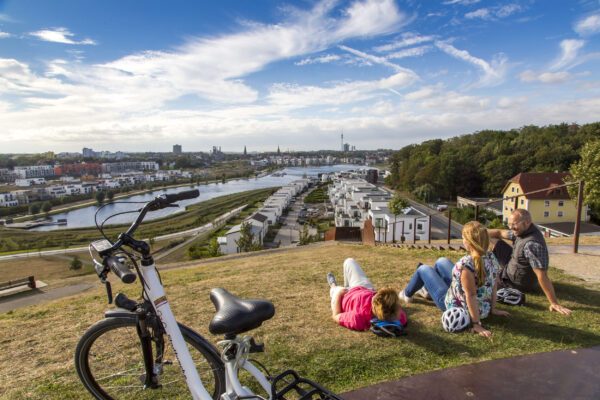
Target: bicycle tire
109	343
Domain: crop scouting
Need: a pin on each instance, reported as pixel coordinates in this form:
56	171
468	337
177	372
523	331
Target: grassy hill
38	342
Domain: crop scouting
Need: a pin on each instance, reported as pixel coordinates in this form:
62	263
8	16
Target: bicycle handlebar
120	269
158	203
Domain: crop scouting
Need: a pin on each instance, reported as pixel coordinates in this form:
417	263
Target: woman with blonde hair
469	284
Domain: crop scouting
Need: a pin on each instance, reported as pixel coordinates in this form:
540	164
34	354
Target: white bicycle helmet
455	319
510	296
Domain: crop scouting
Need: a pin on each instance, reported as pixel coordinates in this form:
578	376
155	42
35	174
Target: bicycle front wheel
110	363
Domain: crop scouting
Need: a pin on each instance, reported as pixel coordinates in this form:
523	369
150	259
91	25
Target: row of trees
481	163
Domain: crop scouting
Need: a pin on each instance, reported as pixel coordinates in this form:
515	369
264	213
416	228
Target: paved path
38	296
565	374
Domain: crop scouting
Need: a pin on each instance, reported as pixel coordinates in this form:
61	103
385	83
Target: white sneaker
404	297
424	293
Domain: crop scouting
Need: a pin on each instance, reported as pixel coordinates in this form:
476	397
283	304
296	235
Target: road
289	233
439	222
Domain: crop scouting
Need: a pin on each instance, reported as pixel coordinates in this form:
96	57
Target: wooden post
476	211
449	223
386	231
578	220
415	231
429	231
402	234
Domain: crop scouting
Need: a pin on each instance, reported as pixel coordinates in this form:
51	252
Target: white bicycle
139	350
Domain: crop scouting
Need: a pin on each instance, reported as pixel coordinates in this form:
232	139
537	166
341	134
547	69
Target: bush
76	264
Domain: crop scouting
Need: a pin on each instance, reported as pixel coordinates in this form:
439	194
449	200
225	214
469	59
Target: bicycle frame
235	354
157	296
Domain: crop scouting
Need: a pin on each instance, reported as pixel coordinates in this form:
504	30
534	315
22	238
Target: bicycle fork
150	378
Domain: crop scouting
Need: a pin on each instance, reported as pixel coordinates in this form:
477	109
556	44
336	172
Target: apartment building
356	200
34	171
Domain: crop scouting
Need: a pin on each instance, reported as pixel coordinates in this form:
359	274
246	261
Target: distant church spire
278	151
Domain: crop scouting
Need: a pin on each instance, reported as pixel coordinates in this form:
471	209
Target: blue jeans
436	280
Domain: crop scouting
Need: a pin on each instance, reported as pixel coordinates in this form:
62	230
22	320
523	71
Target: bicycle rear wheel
110	363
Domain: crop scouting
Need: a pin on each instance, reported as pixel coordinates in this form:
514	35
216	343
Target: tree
424	192
46	207
214	249
587	169
75	263
305	237
246	241
34	208
110	195
100	197
396	205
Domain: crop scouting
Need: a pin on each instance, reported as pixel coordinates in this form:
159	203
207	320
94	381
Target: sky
145	75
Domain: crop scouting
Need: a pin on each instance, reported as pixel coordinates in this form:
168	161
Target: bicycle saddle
235	315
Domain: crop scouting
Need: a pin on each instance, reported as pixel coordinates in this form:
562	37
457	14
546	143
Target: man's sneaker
424	293
331	279
404	297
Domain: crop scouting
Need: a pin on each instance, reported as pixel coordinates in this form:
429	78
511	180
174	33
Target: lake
84	217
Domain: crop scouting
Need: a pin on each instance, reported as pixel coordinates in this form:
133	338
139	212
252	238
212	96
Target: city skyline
296	74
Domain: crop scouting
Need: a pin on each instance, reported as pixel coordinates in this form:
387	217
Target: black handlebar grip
185	195
120	269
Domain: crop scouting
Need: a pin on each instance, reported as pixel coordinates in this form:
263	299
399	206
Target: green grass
195	216
319	195
302	335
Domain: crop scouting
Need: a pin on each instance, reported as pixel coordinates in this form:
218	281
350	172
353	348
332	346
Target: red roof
532	181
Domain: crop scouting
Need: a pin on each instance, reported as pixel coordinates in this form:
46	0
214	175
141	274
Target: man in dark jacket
525	264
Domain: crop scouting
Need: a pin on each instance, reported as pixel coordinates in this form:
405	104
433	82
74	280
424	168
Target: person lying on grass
470	283
356	303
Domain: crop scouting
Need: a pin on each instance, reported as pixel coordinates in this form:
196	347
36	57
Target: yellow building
551	206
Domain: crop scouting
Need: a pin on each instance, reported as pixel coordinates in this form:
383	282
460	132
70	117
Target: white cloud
412	52
408	39
4	35
368	18
319	60
511	102
424	93
588	25
482	13
545	77
493	73
296	96
76	100
494	12
456	102
507	10
59	35
379	60
461	2
569	49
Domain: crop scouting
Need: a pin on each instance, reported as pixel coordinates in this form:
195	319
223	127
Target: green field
196	215
38	342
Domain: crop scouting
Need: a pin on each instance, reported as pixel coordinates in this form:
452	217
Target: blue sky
144	75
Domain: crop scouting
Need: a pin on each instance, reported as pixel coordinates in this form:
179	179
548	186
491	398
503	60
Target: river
84	217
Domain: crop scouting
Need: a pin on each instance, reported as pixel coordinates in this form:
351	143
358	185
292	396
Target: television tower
342	147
